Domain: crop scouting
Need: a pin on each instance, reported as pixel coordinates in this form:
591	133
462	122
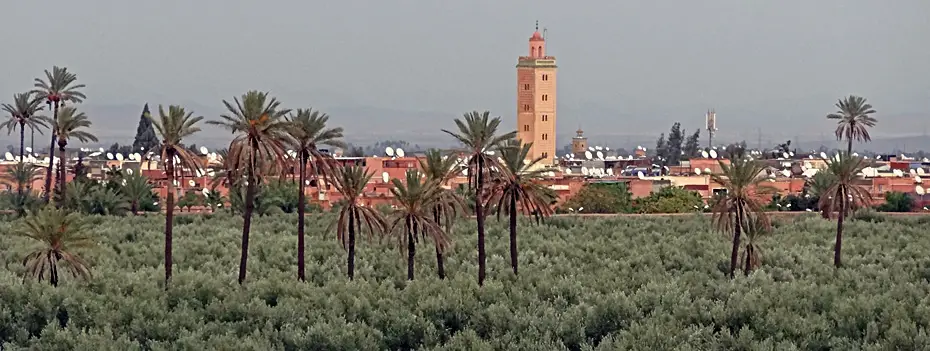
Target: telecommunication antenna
711	126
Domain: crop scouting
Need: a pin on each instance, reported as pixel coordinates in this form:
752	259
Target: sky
407	68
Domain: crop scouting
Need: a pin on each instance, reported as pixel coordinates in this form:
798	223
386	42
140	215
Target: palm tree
172	127
60	232
752	255
24	113
350	182
69	125
258	149
447	205
817	186
844	195
22	176
854	118
416	197
516	187
743	203
136	188
308	131
477	132
58	88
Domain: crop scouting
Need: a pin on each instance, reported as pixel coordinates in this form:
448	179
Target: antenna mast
711	126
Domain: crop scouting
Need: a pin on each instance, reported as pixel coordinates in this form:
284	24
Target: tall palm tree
854	118
477	132
413	219
308	131
258	149
517	187
58	88
136	188
844	195
752	254
173	127
24	113
70	124
448	205
350	182
60	232
743	203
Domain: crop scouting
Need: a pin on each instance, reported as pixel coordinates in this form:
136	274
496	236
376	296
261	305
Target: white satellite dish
131	157
119	156
697	171
713	153
590	148
205	191
918	180
919	190
568	171
129	171
385	177
704	154
610	171
191	182
785	155
389	151
786	173
28	149
707	170
823	155
587	155
399	152
600	155
920	171
199	172
551	174
640	175
791	153
203	150
109	156
211	173
8	156
584	170
175	182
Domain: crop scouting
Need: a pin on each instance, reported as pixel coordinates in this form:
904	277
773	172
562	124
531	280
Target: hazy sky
626	67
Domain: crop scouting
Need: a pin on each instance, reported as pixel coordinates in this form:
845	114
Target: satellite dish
8	156
786	173
28	149
119	156
823	155
791	153
175	182
389	151
551	174
203	150
785	155
912	171
610	171
590	148
918	180
205	191
920	171
919	190
640	175
713	153
191	182
200	172
587	155
385	177
109	156
600	155
697	171
211	173
584	170
704	154
399	152
129	171
707	170
568	171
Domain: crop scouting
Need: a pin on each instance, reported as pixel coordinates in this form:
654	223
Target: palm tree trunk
837	262
479	214
439	264
134	207
513	233
747	266
411	248
301	209
849	148
51	155
169	215
247	220
22	141
351	262
62	175
734	255
52	270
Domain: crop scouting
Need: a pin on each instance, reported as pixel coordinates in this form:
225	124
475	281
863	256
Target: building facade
536	99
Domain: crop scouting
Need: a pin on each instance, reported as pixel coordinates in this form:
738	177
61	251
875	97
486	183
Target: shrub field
623	283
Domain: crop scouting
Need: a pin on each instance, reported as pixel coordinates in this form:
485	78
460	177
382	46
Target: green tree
350	182
670	199
60	233
257	150
58	88
675	139
145	140
448	205
601	198
516	186
137	190
854	118
21	175
742	204
24	112
662	154
477	132
173	126
70	124
897	202
308	132
413	218
692	145
844	195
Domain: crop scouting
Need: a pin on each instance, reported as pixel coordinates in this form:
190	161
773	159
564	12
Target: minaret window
526	127
545	97
545	118
545	137
545	77
526	87
526	107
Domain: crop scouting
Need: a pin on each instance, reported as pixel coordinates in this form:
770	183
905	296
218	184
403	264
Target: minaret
536	97
579	142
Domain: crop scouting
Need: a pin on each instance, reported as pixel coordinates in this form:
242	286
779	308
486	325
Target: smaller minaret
579	142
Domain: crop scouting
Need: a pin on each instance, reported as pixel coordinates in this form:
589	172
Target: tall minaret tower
536	99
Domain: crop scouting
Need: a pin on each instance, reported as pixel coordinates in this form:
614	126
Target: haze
405	69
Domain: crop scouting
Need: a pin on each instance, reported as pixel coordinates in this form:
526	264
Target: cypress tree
145	133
